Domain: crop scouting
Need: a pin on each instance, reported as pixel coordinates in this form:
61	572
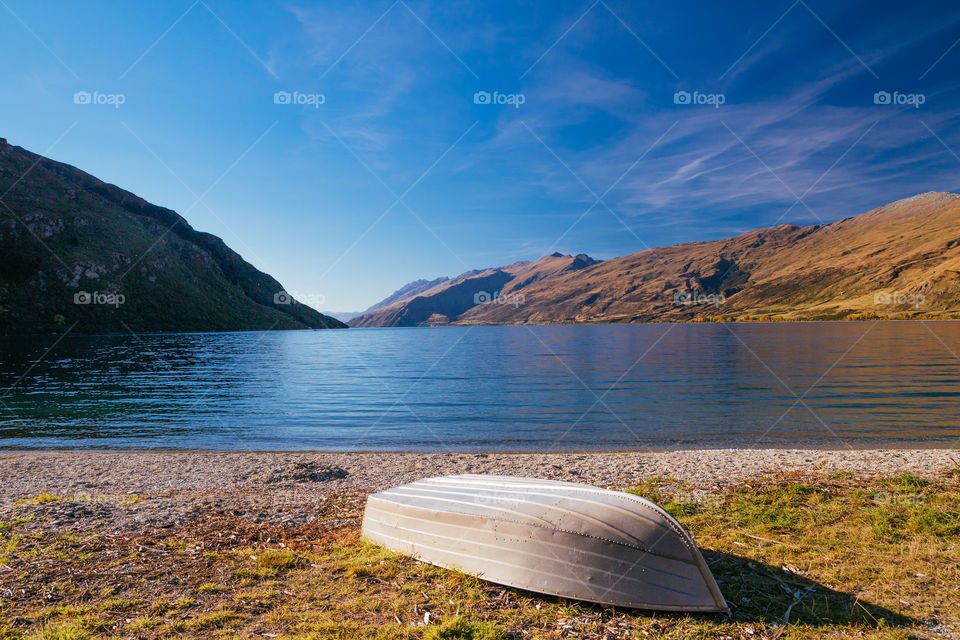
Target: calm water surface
488	388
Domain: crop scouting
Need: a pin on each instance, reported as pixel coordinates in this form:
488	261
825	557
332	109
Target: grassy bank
814	557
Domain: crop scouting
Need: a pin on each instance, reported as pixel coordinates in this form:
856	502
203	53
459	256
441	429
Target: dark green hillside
64	233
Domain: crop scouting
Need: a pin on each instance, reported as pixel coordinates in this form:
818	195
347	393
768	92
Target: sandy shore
148	489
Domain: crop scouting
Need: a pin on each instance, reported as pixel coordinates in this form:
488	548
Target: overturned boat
558	538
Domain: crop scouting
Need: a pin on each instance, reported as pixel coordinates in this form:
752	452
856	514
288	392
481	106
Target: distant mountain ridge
901	260
78	252
342	316
408	291
446	300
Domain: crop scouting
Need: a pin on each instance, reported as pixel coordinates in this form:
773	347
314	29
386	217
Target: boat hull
557	538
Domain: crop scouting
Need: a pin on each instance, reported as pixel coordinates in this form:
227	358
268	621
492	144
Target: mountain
901	260
449	300
343	316
78	252
407	292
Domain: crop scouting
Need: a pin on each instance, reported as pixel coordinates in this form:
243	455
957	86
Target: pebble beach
132	490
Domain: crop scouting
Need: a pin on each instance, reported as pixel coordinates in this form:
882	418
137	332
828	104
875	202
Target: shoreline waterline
853	446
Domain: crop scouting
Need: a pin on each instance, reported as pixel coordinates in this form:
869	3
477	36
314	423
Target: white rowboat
557	538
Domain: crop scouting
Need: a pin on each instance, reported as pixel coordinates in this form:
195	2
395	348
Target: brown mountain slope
407	292
448	300
900	260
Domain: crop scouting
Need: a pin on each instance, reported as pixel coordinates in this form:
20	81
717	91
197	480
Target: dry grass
41	499
834	556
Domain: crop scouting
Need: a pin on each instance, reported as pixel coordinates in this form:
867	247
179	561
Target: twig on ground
762	539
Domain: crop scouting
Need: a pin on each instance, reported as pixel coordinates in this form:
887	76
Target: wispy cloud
825	133
798	119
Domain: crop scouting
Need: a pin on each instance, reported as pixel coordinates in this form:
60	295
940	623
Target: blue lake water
488	388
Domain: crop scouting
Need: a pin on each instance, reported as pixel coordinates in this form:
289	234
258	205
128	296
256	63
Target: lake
561	388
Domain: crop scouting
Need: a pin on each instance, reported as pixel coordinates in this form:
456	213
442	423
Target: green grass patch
277	559
213	620
209	587
840	474
117	604
462	629
909	482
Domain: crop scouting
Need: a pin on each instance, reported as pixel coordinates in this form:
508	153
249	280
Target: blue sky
400	174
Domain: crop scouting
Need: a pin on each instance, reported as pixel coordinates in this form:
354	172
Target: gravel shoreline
24	475
116	493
